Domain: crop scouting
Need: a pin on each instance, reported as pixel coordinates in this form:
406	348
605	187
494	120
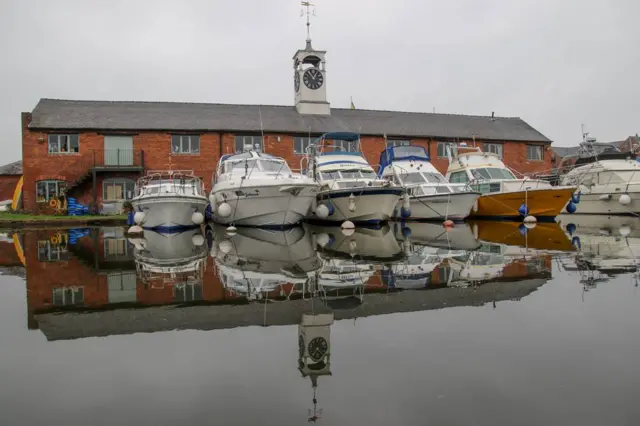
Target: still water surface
487	324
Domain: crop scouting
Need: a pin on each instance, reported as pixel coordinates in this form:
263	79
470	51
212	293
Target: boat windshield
415	177
273	166
492	173
435	178
263	165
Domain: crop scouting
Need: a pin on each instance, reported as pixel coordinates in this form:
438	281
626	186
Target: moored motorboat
349	190
257	189
169	200
608	184
431	196
503	195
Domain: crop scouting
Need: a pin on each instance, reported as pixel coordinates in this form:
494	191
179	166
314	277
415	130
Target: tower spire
308	5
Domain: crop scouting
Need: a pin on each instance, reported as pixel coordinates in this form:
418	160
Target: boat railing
174	182
247	171
445	181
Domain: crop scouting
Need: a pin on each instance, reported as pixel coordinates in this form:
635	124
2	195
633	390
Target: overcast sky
555	63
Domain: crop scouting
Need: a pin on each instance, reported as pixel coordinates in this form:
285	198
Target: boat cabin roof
472	158
402	153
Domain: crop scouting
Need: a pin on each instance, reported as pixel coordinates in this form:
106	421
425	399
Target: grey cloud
555	64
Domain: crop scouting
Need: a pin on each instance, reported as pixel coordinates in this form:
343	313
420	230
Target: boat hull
372	205
272	206
168	212
592	203
543	204
456	206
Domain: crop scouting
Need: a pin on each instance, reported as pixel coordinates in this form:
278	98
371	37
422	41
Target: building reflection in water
96	282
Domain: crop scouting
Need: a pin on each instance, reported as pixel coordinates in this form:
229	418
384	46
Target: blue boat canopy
402	153
341	136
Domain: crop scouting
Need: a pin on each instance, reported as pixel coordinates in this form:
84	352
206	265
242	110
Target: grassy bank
20	220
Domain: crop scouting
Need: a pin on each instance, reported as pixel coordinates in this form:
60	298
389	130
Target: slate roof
167	116
14	168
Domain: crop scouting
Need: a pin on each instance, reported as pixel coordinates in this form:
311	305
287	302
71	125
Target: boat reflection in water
255	262
604	246
367	272
174	259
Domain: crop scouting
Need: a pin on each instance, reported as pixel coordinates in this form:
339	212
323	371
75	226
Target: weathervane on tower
308	5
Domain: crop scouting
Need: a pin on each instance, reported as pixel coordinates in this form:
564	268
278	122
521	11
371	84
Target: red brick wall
8	254
8	186
39	164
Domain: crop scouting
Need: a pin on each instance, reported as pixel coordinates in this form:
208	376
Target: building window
459	177
117	189
301	145
64	144
48	252
48	189
345	146
185	144
255	142
398	142
67	296
442	149
534	152
493	148
189	292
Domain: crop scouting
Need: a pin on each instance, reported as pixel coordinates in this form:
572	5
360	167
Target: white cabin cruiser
257	189
169	200
349	187
431	195
608	184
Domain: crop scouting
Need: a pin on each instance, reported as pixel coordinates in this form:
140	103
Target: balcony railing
118	158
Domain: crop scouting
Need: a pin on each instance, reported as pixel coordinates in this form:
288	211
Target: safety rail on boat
245	171
178	182
464	186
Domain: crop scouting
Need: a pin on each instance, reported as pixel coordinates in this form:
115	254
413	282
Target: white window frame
494	148
47	183
540	148
54	253
118	181
248	140
444	149
77	296
190	290
398	142
351	145
56	141
301	144
185	144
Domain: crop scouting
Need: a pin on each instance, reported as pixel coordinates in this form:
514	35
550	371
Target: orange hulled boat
504	196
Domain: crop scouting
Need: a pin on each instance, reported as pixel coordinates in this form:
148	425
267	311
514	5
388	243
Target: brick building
10	174
94	150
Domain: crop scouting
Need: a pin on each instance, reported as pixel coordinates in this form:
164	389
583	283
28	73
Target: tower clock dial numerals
296	81
317	347
313	78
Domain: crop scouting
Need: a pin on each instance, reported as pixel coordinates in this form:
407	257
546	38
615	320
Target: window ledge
186	153
64	153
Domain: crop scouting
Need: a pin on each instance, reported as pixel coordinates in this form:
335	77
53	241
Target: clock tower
309	77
